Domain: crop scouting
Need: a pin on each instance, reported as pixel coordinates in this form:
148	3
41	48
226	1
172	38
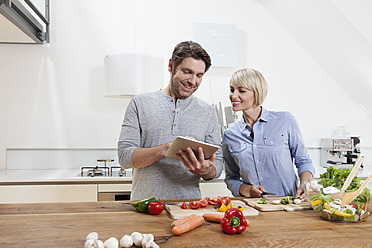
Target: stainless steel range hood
22	22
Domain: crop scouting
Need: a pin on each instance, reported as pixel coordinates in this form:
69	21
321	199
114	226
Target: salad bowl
320	198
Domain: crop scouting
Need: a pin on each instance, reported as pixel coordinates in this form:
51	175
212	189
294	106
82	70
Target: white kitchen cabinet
48	193
214	189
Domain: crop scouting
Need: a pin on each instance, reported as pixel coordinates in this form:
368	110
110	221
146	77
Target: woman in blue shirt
260	149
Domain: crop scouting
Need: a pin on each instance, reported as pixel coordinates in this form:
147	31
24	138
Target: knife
267	193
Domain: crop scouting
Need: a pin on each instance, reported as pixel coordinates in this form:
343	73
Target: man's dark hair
190	49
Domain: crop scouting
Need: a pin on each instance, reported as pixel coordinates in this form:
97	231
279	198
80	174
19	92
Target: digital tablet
180	143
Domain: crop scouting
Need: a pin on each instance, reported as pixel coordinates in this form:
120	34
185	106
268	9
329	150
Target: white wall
51	95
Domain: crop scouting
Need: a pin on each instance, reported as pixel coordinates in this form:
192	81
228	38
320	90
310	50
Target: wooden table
67	224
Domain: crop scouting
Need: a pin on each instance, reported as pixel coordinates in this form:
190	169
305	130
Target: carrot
212	217
192	223
182	220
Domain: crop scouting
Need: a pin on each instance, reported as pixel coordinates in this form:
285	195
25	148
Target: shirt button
271	142
261	178
257	161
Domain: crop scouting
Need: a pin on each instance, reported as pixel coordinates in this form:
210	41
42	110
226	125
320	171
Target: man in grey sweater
153	120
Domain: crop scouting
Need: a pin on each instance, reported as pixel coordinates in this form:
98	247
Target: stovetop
104	171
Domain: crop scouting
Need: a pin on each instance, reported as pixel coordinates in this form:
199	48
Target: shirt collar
263	117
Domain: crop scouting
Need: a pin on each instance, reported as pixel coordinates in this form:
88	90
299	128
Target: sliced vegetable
213	217
204	202
223	208
316	202
262	201
327	207
233	221
184	206
339	213
354	205
285	200
189	225
195	204
213	201
365	206
223	200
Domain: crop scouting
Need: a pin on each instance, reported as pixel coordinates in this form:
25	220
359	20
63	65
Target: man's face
186	77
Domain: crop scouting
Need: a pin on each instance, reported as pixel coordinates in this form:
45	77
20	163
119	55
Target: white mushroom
276	202
89	243
111	243
126	241
98	244
137	238
92	236
297	201
147	238
334	205
151	244
337	201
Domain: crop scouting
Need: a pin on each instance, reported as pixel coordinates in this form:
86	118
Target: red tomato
204	202
184	206
195	204
156	207
365	206
223	200
213	201
354	205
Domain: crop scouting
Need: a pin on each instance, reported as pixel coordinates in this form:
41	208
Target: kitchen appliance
339	152
104	170
109	191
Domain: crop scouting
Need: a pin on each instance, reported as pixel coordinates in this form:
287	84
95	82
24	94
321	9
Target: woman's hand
251	190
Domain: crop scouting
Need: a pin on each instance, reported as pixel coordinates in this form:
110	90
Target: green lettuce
337	177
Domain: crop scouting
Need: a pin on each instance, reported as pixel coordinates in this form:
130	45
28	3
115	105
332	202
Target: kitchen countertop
68	176
67	225
57	176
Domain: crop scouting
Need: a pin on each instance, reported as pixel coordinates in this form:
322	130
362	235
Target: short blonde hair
252	80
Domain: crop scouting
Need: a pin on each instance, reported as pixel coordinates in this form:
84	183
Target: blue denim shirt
266	160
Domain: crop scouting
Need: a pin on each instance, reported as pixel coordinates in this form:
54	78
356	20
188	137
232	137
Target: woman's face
241	98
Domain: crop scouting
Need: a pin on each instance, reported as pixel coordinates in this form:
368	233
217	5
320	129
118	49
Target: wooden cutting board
176	212
276	207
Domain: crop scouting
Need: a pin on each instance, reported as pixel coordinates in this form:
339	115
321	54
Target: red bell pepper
233	221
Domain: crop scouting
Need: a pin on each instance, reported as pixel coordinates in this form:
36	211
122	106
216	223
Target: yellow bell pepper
339	213
326	206
316	202
223	208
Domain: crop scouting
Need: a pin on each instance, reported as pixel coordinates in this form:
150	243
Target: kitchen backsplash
57	158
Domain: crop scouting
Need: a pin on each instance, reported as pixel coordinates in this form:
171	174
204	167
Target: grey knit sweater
154	119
